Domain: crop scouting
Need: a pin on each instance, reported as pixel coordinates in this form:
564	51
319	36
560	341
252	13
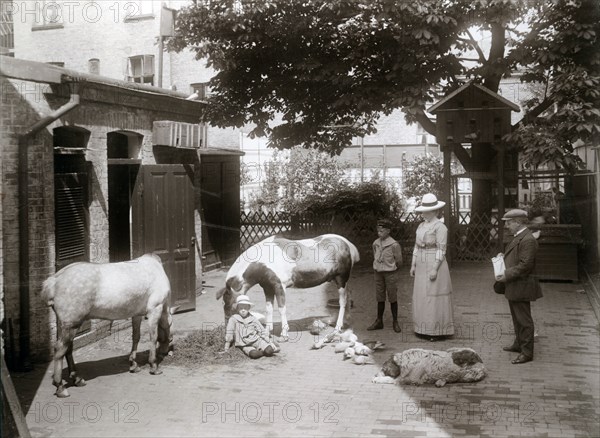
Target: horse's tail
48	289
355	253
353	250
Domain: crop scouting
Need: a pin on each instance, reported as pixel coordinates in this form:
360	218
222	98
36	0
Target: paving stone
315	393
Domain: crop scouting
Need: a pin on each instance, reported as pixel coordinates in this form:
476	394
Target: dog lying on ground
417	367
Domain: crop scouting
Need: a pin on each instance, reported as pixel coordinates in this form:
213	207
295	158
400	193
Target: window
141	69
199	89
7	34
48	15
141	9
94	66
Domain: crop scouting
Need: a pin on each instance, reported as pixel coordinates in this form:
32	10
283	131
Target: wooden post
500	155
447	148
160	60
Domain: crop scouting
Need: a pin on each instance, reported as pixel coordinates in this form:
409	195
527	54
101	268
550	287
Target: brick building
100	170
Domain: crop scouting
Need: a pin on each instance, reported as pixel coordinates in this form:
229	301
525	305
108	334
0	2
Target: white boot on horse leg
285	327
344	308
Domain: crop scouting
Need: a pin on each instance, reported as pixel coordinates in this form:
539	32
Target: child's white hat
243	299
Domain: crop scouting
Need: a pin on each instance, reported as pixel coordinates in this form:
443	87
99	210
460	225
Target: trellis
258	225
473	239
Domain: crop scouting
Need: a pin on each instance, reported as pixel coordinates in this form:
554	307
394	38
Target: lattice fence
474	238
358	228
258	225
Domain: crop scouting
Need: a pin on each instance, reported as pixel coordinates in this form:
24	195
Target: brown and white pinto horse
277	263
134	289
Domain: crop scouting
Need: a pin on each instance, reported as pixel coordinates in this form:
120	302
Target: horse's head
165	336
228	294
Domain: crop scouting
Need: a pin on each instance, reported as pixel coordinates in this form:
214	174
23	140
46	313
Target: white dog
417	367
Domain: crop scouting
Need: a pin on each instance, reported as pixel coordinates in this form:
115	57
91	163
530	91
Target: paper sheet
498	263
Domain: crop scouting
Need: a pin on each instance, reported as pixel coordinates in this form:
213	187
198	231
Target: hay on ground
202	347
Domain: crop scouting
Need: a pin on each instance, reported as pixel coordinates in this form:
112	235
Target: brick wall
23	104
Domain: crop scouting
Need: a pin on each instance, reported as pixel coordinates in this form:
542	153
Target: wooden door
220	184
212	212
163	223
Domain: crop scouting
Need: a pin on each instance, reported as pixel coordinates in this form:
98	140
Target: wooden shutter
71	218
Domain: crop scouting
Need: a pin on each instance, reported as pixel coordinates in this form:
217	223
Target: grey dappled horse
110	291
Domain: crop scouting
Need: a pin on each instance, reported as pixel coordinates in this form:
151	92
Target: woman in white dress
432	293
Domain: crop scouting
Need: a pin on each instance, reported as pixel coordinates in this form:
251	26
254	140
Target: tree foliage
424	175
330	67
293	177
302	180
376	198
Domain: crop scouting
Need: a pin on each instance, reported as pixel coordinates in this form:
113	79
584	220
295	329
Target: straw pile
202	347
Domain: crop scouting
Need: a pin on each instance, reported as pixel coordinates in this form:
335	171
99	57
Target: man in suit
521	283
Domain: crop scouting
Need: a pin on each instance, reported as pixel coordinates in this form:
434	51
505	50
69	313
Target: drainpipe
24	332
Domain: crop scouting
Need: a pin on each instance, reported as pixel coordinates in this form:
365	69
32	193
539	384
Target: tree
268	198
425	175
296	176
331	67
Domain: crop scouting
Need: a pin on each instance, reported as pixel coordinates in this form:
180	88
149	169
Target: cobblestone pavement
303	392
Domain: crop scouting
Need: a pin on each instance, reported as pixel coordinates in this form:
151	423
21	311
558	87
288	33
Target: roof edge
513	106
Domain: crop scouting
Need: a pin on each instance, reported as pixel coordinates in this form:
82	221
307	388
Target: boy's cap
384	223
515	213
243	299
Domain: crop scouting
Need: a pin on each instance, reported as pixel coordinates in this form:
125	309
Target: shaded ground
305	392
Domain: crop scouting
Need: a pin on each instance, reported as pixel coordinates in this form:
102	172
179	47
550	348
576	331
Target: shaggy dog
417	367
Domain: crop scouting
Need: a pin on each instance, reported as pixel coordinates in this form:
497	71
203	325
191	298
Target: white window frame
145	67
140	9
48	14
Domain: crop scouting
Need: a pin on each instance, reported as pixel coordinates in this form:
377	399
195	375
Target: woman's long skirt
432	300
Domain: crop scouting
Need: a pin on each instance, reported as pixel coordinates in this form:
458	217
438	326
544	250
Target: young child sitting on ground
247	332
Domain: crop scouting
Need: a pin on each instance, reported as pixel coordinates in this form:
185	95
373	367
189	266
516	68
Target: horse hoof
62	393
155	372
80	382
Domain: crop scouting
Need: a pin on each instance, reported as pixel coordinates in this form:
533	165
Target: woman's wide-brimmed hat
243	299
429	203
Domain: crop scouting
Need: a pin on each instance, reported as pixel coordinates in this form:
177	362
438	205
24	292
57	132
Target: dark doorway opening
123	148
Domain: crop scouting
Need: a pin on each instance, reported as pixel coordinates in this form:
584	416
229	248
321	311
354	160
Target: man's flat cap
513	214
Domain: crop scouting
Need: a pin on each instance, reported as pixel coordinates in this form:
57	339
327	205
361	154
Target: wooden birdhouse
472	113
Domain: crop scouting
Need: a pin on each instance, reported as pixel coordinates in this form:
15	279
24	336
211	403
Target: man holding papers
521	283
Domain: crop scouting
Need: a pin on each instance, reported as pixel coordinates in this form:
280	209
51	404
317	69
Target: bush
371	198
